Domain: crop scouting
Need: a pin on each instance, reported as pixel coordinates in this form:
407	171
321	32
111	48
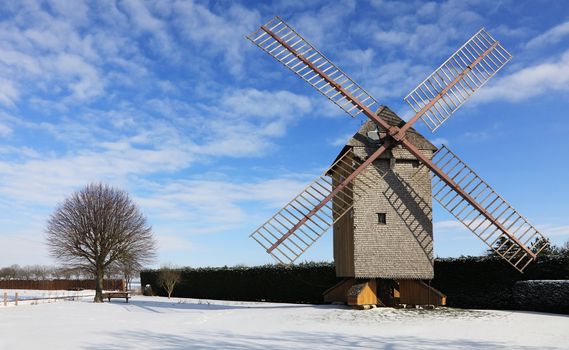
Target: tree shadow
161	306
292	340
548	314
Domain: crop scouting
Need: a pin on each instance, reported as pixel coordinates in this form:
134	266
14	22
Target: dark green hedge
470	282
488	282
303	283
542	295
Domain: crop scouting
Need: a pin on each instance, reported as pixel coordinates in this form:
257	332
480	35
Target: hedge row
471	282
303	283
542	295
488	282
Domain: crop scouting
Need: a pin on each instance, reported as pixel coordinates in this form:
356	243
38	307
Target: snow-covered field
33	297
159	323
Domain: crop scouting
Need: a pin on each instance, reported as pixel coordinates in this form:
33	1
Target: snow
41	296
159	323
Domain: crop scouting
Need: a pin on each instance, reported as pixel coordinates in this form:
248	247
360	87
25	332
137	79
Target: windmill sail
463	73
504	230
295	227
284	44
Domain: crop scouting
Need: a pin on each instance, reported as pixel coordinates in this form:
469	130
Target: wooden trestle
384	292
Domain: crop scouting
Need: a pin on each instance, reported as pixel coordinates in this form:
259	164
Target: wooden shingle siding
402	248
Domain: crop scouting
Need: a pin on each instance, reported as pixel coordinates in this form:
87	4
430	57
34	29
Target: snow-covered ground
159	323
34	297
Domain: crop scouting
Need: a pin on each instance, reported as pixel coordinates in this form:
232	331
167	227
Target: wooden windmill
388	159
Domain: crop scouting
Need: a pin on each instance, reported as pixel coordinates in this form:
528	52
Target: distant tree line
38	272
46	272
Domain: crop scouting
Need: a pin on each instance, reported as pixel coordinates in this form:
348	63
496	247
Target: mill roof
360	138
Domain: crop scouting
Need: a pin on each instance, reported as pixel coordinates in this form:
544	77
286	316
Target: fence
32	297
111	284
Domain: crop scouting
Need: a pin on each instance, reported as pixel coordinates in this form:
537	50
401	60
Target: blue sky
209	135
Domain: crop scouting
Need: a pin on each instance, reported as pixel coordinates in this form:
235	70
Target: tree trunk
99	286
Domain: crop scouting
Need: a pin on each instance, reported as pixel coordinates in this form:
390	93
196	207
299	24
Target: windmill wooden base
383	292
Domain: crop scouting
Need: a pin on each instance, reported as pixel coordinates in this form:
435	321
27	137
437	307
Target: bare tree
96	227
168	277
10	272
128	269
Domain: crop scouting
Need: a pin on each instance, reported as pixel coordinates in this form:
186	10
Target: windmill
333	199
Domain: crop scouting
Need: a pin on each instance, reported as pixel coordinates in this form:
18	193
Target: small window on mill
381	218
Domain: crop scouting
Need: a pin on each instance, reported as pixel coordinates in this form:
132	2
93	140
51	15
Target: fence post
16	299
5	298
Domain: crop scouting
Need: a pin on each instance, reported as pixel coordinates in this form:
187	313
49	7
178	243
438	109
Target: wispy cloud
218	34
555	230
9	94
439	141
531	81
341	140
552	36
199	203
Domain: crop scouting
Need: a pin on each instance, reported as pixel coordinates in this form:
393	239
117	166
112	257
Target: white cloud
324	24
24	152
552	36
214	206
74	11
428	30
448	225
141	16
551	230
530	81
258	114
504	31
9	94
171	243
145	21
83	79
394	79
363	57
439	141
390	8
119	146
5	130
266	104
20	61
216	34
341	140
47	179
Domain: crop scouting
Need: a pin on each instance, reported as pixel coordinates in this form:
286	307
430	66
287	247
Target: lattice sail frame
296	242
491	234
304	50
462	74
